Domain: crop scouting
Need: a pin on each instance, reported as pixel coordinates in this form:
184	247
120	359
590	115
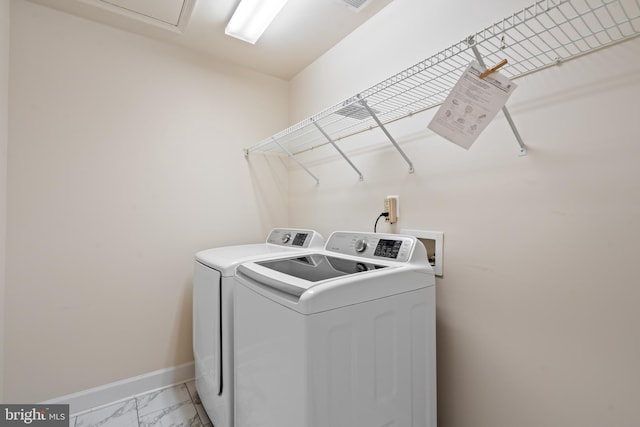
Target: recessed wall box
433	241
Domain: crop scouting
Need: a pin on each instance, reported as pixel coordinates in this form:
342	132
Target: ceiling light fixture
251	18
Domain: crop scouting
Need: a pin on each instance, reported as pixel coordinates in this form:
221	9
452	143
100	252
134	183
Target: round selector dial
286	238
361	245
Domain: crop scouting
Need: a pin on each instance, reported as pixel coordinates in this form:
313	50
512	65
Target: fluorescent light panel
251	19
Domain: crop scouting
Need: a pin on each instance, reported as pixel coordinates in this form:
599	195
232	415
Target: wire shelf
541	35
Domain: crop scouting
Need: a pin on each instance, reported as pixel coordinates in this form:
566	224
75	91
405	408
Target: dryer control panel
293	237
392	247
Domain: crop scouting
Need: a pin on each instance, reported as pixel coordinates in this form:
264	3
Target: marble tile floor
177	405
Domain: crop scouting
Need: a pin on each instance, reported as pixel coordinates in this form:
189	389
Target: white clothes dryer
213	285
343	337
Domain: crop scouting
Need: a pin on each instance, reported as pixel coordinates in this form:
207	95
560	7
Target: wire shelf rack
539	36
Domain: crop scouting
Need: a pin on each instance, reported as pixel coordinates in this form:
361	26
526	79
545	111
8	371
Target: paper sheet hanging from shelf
471	104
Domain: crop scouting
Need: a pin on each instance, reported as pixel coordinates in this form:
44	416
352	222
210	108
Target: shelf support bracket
363	102
505	110
337	148
291	156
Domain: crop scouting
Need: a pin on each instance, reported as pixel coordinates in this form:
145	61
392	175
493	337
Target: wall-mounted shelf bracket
332	142
542	35
523	148
373	115
288	153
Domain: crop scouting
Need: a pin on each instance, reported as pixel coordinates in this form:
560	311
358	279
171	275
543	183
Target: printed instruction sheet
471	105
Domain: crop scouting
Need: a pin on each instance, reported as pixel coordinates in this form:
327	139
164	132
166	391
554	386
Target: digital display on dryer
388	248
299	239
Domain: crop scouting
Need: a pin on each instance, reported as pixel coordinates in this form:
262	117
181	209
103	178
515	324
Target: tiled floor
172	406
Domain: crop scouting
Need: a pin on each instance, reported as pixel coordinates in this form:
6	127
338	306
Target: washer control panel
388	248
372	245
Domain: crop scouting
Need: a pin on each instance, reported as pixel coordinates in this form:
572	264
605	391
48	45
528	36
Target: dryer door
207	342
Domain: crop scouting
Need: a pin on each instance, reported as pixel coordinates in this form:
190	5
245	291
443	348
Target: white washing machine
343	337
213	285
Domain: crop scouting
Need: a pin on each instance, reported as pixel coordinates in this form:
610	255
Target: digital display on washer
388	248
315	268
299	239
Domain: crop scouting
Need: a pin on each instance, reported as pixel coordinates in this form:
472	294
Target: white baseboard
124	389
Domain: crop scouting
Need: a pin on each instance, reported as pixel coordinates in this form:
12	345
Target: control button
286	238
361	245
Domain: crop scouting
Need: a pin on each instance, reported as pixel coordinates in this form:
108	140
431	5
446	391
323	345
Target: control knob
286	238
361	245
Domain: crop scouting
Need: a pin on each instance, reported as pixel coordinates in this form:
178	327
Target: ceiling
301	33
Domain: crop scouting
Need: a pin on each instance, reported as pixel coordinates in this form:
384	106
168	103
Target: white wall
538	308
125	158
4	136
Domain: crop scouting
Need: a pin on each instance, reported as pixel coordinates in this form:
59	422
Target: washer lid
354	267
313	268
329	287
